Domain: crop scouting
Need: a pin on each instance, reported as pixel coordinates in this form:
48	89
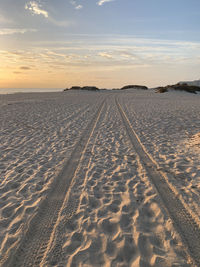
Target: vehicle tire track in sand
185	224
118	220
37	237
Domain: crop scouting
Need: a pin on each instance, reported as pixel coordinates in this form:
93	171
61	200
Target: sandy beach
108	178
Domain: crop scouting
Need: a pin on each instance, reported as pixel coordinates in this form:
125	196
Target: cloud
36	9
6	31
25	68
76	6
62	23
17	72
101	2
105	55
79	7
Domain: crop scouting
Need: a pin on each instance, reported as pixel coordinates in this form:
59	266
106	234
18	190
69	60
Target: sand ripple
113	216
168	125
38	133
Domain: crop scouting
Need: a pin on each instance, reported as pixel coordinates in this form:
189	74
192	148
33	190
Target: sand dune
111	214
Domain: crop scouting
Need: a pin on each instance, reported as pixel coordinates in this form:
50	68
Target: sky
106	43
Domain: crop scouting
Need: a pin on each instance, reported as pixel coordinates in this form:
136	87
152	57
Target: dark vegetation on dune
179	87
134	87
85	88
162	89
94	88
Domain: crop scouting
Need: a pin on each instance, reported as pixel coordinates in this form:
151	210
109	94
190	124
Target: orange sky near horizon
42	78
146	62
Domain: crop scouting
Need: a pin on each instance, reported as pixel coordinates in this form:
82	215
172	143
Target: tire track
185	223
71	204
36	239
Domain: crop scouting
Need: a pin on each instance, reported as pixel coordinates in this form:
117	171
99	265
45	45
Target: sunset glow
48	44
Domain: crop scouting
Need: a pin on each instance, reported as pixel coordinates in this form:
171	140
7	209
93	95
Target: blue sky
48	43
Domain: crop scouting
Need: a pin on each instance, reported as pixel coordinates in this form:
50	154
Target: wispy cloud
101	2
79	7
114	57
36	9
17	72
76	5
60	23
105	55
6	31
24	68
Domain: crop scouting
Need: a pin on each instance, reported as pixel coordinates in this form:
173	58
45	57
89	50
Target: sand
169	126
110	212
